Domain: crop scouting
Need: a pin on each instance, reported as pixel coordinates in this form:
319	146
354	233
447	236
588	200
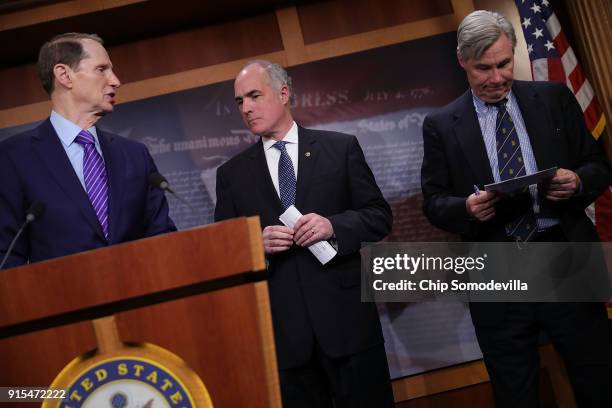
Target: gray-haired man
329	344
463	147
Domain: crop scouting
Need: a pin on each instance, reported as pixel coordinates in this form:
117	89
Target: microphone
159	181
33	213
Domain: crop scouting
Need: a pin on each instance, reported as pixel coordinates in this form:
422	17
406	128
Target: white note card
518	183
322	250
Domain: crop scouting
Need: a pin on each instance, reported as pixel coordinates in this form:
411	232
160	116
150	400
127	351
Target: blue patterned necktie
286	176
511	164
96	180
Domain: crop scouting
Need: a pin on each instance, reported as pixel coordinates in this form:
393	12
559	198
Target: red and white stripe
568	70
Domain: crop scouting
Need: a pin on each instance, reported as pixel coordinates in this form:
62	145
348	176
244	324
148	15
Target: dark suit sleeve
441	207
369	217
157	218
224	209
12	213
589	160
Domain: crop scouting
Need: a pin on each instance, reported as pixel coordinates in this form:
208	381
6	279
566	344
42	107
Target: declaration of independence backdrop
380	95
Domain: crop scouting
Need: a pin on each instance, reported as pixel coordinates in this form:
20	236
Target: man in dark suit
329	344
466	145
94	184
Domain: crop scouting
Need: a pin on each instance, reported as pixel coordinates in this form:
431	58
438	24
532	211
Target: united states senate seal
129	375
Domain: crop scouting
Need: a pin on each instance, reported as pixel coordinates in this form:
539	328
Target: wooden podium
200	293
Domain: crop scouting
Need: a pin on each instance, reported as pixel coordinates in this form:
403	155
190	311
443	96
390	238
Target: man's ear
284	94
62	72
461	61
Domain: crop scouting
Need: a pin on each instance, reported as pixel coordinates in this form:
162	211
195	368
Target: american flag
552	59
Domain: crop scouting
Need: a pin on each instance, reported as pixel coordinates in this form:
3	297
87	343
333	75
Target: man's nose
496	75
246	106
113	80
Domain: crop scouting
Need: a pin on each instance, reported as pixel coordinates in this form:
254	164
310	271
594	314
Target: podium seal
129	375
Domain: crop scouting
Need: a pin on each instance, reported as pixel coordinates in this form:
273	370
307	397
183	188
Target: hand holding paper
311	228
481	205
322	250
563	185
277	238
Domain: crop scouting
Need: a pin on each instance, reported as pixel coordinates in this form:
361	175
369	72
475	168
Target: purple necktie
96	180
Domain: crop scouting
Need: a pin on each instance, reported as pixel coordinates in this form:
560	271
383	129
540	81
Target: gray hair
278	76
479	30
61	49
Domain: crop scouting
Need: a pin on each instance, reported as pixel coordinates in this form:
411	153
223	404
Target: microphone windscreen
35	211
157	180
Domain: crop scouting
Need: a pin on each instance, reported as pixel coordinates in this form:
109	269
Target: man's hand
311	228
277	238
562	186
482	205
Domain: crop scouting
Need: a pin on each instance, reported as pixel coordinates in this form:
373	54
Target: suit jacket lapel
469	136
115	168
307	159
537	122
49	148
259	166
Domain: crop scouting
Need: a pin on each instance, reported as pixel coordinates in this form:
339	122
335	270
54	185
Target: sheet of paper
322	250
519	183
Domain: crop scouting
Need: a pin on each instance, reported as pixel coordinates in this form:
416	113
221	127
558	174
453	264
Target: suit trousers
580	332
360	380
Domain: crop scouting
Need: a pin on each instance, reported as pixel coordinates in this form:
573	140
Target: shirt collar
290	137
482	107
67	130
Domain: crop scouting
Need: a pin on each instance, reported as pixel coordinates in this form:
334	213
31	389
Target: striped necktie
96	179
286	176
511	164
